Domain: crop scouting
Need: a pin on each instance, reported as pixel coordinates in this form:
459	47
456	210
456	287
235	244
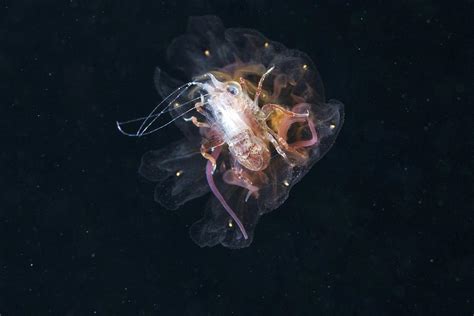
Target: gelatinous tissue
255	121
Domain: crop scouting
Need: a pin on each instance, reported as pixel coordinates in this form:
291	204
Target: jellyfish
254	119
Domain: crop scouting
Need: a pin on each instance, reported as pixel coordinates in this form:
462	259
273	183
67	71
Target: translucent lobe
178	171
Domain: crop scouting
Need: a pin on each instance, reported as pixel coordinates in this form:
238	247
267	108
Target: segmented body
240	122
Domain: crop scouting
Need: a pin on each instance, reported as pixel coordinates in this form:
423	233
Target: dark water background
383	225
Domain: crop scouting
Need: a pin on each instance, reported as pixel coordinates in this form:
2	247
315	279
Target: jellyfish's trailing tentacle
218	195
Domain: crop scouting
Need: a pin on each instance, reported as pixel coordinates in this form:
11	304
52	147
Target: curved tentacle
218	195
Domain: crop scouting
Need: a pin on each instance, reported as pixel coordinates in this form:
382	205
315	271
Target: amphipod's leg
237	177
310	142
277	145
269	108
241	72
194	120
286	118
259	87
208	146
281	123
243	84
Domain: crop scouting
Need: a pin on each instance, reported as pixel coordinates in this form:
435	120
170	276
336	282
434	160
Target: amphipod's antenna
151	118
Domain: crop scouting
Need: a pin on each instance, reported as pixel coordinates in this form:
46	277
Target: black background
382	225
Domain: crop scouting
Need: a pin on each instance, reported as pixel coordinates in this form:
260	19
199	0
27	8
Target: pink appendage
218	195
309	142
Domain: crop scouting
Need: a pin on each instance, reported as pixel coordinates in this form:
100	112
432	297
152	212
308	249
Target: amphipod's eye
233	88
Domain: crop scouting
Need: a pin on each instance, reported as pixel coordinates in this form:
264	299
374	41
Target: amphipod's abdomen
249	150
228	107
